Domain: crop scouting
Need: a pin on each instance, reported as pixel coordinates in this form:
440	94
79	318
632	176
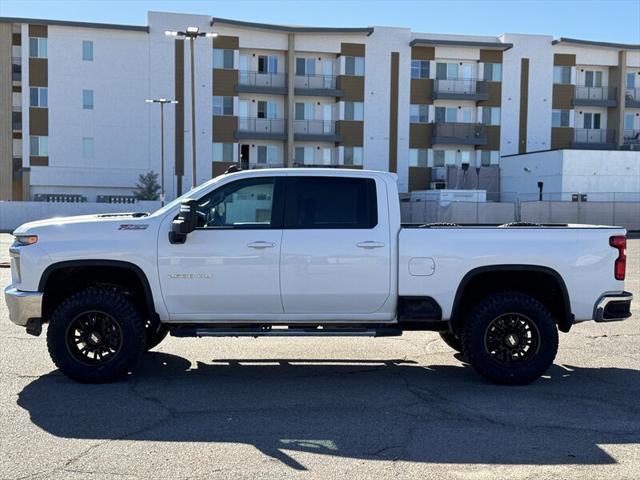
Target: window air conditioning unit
438	185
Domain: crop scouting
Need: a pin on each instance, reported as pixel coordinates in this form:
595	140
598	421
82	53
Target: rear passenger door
335	256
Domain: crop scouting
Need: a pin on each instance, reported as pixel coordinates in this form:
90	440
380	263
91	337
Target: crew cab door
336	253
229	266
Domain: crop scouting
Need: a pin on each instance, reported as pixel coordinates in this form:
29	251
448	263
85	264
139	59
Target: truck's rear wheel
510	338
453	340
95	335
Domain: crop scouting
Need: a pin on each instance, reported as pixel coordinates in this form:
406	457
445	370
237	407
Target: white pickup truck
308	252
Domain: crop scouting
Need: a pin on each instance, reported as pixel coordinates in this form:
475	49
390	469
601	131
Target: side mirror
185	223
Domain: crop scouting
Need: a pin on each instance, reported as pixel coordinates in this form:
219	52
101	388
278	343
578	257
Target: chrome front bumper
613	307
22	305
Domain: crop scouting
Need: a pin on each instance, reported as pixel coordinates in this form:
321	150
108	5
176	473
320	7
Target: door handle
261	244
370	244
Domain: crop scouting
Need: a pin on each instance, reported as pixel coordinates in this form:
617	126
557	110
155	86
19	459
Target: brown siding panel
524	105
224	82
352	87
493	138
224	128
39	161
494	90
39	121
422	90
419	178
564	59
393	112
179	96
420	135
561	137
423	53
226	42
351	131
38	76
490	56
352	49
563	96
38	31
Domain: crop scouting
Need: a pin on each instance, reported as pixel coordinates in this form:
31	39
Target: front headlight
23	240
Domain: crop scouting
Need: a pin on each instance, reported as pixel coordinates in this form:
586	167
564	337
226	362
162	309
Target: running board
267	331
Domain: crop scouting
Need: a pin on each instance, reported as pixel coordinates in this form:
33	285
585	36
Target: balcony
631	137
632	97
316	130
595	96
16	69
316	85
465	89
262	128
258	82
594	139
459	134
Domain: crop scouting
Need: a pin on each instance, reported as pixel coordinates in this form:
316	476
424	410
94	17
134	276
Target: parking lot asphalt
324	408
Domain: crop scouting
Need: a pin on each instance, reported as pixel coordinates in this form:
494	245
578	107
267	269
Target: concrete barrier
14	214
457	212
625	214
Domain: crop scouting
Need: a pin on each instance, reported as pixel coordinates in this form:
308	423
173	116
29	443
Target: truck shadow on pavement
366	409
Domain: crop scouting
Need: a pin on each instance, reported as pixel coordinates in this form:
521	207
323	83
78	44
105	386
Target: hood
31	227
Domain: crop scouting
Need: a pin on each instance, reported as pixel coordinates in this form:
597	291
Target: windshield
193	193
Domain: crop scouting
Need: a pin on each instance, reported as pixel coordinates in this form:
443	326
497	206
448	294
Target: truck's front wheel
510	338
96	335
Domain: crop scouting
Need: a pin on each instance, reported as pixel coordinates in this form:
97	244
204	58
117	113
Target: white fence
14	214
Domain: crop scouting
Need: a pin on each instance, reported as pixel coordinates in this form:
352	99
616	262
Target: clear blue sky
605	20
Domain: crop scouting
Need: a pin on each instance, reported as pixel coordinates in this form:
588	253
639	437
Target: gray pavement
324	408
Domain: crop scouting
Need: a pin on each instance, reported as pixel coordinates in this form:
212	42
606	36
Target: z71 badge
133	226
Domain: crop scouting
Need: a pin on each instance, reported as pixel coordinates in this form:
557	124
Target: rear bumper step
613	307
267	331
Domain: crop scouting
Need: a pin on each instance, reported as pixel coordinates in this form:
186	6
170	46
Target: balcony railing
468	88
596	96
631	137
632	97
592	137
256	81
315	130
459	133
251	127
316	84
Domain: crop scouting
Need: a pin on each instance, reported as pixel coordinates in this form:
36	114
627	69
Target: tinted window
331	202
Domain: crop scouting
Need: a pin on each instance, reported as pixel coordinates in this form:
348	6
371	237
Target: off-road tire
128	322
477	328
453	340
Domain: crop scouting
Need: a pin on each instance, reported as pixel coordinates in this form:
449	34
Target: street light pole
192	33
162	102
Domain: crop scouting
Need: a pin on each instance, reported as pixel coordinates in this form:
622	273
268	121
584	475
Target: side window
351	205
242	204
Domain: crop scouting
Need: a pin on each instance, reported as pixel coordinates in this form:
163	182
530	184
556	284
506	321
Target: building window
37	47
305	66
353	155
492	72
489	157
561	75
87	50
446	114
222	152
304	155
591	121
354	66
222	105
87	147
38	97
417	157
491	115
592	78
444	157
353	111
631	79
418	113
222	58
305	111
453	71
267	154
628	121
87	99
267	64
267	109
419	68
560	118
39	146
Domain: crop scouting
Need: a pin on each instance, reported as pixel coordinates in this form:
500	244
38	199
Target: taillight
620	265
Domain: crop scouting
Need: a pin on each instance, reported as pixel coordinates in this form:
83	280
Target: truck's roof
325	172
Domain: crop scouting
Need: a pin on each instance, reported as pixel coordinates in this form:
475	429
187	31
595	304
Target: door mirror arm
185	223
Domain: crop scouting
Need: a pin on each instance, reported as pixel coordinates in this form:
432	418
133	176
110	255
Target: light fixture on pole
192	33
162	102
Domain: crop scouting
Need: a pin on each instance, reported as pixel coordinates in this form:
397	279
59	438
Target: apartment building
441	111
